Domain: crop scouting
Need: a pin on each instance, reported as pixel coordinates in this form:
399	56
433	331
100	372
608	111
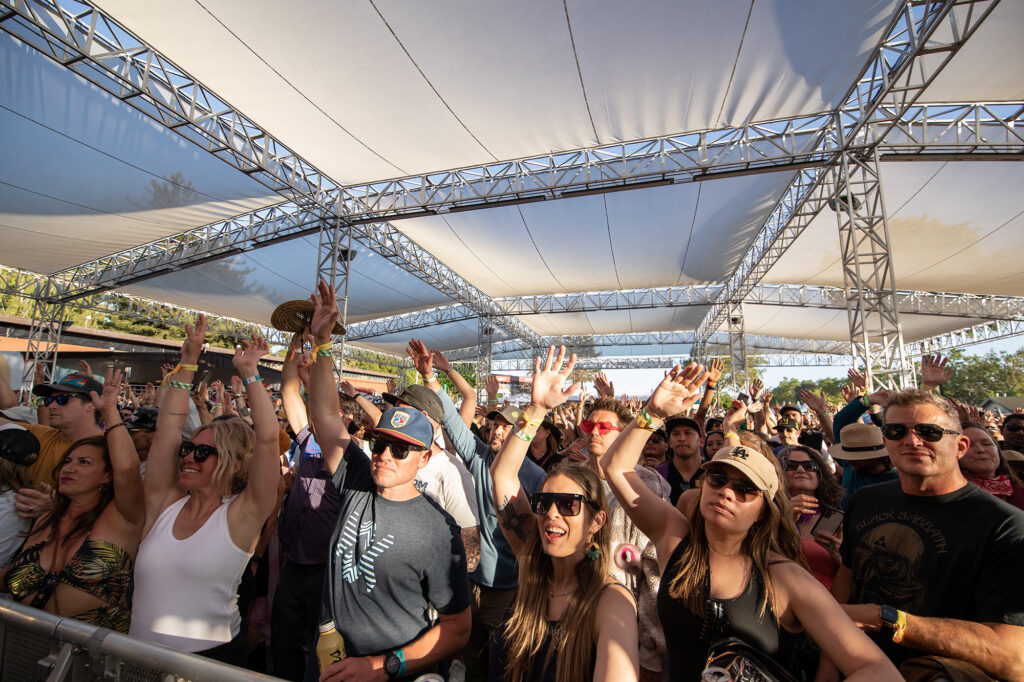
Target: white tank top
186	590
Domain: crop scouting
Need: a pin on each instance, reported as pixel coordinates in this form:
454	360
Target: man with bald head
931	562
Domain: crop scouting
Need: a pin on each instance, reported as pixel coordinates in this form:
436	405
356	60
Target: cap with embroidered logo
751	464
406	424
72	383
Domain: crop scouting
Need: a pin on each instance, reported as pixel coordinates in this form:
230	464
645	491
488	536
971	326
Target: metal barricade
36	646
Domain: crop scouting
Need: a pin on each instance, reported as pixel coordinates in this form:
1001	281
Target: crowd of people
603	538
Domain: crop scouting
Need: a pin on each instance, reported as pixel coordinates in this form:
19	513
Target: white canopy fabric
372	90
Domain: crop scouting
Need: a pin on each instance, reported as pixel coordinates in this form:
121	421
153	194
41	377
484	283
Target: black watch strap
890	616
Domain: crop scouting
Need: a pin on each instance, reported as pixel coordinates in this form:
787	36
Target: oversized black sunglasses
931	433
809	466
399	450
567	504
61	398
199	452
1015	426
744	489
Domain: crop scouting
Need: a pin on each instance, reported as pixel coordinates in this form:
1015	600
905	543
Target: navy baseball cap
406	424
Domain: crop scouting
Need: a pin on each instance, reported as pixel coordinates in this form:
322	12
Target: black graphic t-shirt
389	562
957	555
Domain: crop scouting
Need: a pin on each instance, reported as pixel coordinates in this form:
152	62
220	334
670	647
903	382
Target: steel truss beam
485	355
667	361
43	337
737	345
832	298
873	313
982	333
921	39
334	260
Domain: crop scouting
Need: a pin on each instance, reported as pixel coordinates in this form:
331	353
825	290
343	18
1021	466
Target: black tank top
688	636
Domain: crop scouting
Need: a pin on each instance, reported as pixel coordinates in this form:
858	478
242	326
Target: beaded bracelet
178	384
111	428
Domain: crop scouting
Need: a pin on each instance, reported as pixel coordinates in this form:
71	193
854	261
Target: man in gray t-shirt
394	554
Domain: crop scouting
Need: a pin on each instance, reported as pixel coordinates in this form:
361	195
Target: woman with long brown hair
985	466
723	574
570	622
77	559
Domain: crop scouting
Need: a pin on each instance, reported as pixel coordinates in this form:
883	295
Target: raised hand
149	395
677	391
420	357
347	388
194	339
302	362
604	388
735	417
491	386
857	379
325	313
547	391
714	370
165	369
84	368
815	402
391	386
201	394
106	401
247	358
755	388
881	397
935	370
850	393
440	361
766	397
961	410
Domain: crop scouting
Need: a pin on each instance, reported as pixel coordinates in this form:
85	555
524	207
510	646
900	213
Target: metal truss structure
737	345
878	116
667	361
484	354
981	333
919	42
334	262
44	336
873	313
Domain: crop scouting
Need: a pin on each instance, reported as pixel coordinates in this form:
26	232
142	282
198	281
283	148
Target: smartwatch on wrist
894	622
394	664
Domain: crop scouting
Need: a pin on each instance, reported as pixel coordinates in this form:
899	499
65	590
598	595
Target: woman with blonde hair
206	502
570	621
723	574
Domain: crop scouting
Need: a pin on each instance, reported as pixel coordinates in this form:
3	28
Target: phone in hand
829	522
744	398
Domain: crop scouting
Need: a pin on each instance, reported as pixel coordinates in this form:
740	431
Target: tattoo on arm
510	520
471	541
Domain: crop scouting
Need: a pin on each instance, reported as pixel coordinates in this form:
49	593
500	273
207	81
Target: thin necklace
725	555
563	594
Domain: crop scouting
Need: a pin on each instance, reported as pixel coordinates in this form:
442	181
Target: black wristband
111	428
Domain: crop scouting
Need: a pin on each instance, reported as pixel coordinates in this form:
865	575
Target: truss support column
871	305
334	260
485	347
737	346
43	336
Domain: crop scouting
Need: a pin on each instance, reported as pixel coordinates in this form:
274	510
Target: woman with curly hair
570	622
812	491
723	574
77	559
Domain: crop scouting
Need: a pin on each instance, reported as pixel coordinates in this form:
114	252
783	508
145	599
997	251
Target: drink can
429	677
714	674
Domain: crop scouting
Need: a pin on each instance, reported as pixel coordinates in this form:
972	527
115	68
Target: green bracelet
324	353
179	384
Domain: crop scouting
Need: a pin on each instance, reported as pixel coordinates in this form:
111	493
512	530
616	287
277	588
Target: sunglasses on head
399	450
931	433
810	466
60	398
199	452
745	490
589	426
1015	426
567	504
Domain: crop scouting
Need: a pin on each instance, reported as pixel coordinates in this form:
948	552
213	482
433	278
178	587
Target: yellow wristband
324	349
648	422
731	437
899	630
929	387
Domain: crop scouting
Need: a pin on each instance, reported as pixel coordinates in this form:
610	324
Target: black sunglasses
199	452
744	489
931	433
1015	426
61	398
399	450
567	504
810	466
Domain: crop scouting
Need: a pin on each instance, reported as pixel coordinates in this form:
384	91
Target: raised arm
654	516
468	408
714	371
324	407
254	504
291	390
819	406
162	463
369	408
124	460
514	513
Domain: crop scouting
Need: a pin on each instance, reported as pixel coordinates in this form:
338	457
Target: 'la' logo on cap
739	451
399	419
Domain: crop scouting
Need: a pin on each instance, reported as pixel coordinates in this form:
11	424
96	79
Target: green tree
977	377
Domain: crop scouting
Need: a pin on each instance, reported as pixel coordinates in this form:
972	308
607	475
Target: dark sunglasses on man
399	449
567	504
931	433
199	452
61	398
1015	426
589	426
744	490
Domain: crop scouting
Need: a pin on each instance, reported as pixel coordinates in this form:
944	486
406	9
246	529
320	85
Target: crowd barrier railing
36	646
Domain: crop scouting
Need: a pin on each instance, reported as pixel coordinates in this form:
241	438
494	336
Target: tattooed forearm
471	541
510	518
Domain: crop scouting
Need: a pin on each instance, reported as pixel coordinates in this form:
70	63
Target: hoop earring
593	551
